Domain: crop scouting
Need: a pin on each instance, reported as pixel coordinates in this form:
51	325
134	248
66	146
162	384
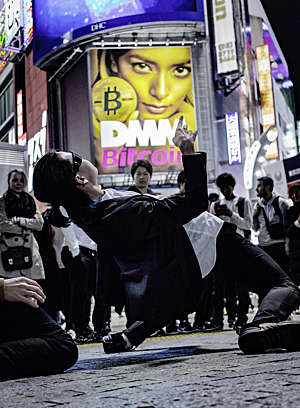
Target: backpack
275	229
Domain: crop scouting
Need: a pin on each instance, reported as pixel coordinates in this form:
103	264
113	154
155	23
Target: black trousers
31	343
278	253
81	273
255	270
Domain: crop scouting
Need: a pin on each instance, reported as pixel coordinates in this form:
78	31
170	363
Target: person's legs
204	307
278	254
31	343
279	295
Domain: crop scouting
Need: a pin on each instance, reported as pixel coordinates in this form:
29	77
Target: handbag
16	258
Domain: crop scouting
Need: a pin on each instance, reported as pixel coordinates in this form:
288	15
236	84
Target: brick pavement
196	370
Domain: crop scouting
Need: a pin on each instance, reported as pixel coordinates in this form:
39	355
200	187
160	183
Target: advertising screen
138	96
58	21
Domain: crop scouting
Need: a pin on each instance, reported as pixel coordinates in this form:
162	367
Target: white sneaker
72	334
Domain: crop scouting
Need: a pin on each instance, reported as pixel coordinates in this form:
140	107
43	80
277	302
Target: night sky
284	16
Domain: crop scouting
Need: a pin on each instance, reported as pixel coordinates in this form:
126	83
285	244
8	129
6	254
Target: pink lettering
130	156
110	157
141	155
171	155
163	154
178	157
123	157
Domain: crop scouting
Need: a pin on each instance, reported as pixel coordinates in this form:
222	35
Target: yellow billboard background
138	96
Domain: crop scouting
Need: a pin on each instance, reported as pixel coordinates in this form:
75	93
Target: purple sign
59	21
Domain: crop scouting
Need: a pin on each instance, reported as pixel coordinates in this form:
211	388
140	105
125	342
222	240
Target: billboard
138	96
59	21
224	31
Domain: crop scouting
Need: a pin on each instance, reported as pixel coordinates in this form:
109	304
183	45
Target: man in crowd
268	218
237	211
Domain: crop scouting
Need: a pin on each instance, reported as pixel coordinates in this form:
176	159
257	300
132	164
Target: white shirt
242	223
259	223
74	237
202	232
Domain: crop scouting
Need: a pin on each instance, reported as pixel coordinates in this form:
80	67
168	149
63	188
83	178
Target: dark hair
213	197
143	163
293	188
225	179
181	178
53	183
267	181
21	172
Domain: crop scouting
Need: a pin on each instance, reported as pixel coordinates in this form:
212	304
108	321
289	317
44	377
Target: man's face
227	191
296	195
141	177
260	189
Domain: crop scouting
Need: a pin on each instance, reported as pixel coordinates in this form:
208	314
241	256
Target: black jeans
278	253
81	274
31	343
250	266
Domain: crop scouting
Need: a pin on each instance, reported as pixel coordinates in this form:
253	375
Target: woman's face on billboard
161	78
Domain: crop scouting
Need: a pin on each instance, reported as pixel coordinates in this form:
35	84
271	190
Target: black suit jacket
158	270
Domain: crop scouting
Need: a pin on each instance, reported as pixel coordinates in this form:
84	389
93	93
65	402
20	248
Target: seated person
160	273
31	343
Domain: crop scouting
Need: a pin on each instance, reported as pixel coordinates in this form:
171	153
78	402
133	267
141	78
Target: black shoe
158	333
172	329
86	339
284	335
185	327
212	326
199	327
231	324
103	332
239	325
114	343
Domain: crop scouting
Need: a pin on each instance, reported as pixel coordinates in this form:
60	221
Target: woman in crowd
19	218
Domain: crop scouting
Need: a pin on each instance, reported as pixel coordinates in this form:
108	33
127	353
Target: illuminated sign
224	36
20	118
138	96
251	155
36	148
12	19
27	22
233	138
58	21
265	86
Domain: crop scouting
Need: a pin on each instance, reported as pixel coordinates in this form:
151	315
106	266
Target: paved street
195	370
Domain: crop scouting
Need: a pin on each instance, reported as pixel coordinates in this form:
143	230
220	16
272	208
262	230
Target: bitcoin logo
113	99
112	103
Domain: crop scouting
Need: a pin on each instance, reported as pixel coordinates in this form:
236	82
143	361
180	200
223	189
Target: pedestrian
141	172
268	219
237	211
159	271
19	218
31	343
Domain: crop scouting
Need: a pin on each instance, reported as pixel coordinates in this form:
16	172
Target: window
6	103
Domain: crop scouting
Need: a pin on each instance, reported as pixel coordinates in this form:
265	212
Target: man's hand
256	210
23	290
223	210
184	138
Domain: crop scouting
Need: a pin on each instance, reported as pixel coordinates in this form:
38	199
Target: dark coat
293	233
159	271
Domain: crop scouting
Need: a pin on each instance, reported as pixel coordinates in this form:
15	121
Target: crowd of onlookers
66	263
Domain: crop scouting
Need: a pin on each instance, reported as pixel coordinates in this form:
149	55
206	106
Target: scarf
19	206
